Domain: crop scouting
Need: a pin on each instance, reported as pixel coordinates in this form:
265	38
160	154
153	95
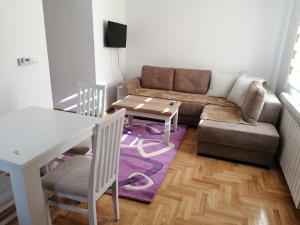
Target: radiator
290	142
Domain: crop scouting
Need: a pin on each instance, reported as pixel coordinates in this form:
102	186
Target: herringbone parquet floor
204	191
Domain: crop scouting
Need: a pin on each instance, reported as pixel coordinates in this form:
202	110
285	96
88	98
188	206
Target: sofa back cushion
157	78
240	88
254	102
192	81
221	84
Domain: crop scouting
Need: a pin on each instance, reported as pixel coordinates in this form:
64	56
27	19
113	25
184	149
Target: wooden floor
204	191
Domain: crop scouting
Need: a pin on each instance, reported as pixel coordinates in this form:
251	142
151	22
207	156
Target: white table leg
175	121
29	196
130	120
167	130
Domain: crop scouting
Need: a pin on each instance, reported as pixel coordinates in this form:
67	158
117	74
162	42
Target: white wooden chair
6	199
91	102
83	179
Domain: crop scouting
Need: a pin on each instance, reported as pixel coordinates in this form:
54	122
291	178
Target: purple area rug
145	159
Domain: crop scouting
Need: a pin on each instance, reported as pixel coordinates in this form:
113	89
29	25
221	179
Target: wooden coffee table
152	108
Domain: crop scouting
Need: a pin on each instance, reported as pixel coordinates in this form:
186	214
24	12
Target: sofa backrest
192	81
157	78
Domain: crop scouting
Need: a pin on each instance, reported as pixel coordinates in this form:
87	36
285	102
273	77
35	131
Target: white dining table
30	139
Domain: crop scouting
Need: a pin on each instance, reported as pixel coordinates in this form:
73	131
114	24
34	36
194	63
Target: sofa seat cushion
157	78
262	137
180	96
192	81
223	114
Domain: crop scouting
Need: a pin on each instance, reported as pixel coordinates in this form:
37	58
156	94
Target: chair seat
69	177
82	148
6	194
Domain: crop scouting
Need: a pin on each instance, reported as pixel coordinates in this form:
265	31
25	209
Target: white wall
22	33
228	36
107	69
69	29
75	37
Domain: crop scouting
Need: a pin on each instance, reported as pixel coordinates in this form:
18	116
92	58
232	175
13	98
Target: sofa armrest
132	84
271	110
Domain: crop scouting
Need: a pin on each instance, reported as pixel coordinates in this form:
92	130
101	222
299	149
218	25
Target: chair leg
92	212
48	213
115	196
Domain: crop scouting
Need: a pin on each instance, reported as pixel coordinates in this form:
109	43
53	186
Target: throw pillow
254	102
239	90
221	84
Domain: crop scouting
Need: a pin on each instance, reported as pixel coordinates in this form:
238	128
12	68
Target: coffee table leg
130	120
175	121
167	130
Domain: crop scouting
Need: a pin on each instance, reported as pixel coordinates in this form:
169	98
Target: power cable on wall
121	70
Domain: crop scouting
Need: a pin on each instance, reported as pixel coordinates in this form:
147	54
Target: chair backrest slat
106	152
110	138
99	159
94	106
101	103
85	100
91	100
114	140
118	145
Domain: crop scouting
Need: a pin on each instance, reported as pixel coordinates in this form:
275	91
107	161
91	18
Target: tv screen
116	35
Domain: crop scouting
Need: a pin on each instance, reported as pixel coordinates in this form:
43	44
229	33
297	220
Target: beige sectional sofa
253	143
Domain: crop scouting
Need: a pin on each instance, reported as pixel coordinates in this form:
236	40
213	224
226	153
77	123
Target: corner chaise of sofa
252	144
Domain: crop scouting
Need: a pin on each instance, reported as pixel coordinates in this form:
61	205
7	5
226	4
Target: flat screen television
116	35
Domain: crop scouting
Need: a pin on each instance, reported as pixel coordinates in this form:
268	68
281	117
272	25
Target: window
294	71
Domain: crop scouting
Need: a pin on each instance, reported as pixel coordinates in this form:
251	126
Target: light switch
25	61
